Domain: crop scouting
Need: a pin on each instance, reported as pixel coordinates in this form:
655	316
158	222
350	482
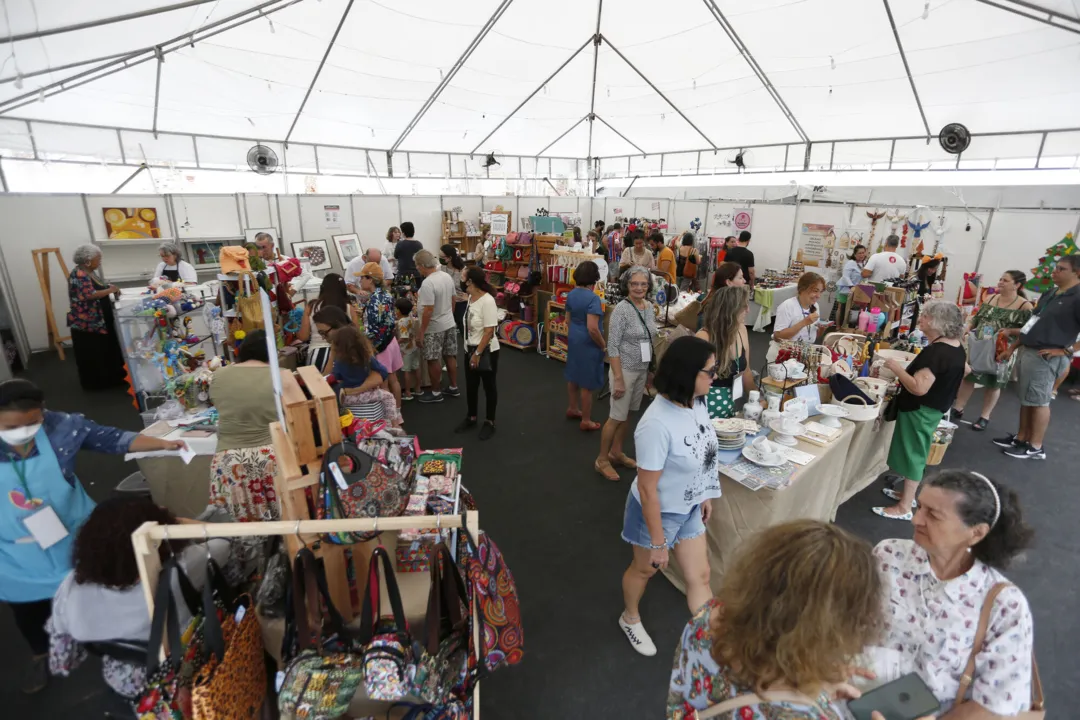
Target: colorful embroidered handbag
388	663
490	583
321	680
160	701
353	484
443	664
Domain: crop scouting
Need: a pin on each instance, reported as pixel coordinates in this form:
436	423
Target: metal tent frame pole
157	92
907	68
318	70
58	68
132	59
753	63
583	119
617	133
657	91
595	63
531	95
1034	11
104	21
453	71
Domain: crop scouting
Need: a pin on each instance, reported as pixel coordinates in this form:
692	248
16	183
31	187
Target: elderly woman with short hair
928	387
172	267
93	330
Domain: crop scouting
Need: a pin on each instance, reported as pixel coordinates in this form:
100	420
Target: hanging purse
443	665
160	699
388	663
231	685
321	680
355	485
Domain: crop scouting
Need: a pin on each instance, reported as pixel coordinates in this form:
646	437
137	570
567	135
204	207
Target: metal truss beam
531	95
1038	14
318	70
583	119
907	68
628	142
138	57
453	71
97	23
58	68
753	63
657	91
595	62
157	91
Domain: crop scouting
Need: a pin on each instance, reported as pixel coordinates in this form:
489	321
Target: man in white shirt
268	251
438	332
887	265
352	271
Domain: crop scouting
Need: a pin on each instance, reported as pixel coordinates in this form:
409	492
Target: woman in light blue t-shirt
678	476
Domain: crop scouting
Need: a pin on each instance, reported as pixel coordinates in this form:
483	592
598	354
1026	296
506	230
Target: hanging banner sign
813	243
743	219
500	223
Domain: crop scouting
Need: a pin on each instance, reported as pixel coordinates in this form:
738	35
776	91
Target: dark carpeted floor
558	523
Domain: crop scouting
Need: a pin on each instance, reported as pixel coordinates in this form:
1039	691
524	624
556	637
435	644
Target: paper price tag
338	477
279	680
240	613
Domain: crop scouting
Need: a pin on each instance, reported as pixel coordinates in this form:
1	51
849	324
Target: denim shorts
677	526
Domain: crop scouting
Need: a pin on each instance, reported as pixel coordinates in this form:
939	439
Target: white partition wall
425	213
374	216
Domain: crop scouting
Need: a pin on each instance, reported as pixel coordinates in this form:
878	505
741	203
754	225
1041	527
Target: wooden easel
41	264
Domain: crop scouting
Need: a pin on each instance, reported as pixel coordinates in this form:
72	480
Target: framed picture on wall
131	223
348	247
315	251
250	233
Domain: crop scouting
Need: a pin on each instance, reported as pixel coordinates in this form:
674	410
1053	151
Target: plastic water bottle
864	321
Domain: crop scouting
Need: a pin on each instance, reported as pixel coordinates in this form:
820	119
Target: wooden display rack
41	264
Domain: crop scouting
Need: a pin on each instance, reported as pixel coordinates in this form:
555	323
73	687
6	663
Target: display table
184	489
765	301
837	472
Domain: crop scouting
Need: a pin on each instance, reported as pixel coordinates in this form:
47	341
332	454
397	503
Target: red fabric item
287	269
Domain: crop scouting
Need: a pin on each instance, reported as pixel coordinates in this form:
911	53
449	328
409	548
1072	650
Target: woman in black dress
93	329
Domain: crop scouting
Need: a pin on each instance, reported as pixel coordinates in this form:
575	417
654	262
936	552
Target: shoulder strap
165	621
980	637
741	701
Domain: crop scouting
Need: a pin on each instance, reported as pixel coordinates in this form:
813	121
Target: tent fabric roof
668	78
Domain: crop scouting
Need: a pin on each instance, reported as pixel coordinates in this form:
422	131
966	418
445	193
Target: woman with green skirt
928	387
1007	310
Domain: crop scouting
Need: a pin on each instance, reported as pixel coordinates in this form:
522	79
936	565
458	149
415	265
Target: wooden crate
311	413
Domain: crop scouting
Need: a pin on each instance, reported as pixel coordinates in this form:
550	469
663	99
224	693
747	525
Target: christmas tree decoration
1040	281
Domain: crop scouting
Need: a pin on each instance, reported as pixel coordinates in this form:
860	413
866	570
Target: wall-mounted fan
262	160
954	138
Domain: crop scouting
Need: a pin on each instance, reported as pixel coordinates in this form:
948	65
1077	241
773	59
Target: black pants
30	619
473	378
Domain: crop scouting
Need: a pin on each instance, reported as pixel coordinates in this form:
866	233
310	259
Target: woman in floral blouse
967	528
380	324
93	333
801	599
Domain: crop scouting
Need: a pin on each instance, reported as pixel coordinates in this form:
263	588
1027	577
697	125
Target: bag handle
982	628
751	699
165	620
445	599
373	601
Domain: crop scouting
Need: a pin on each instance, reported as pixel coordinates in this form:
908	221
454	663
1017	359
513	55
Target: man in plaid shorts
438	331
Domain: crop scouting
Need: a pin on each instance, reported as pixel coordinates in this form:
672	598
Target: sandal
980	424
881	511
573	414
589	425
609	472
957	414
624	460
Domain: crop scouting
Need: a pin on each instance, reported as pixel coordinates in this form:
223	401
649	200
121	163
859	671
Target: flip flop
613	477
589	425
624	460
889	516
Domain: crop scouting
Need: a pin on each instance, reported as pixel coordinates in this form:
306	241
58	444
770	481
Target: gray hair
373	254
425	259
628	275
85	254
944	317
170	248
892	241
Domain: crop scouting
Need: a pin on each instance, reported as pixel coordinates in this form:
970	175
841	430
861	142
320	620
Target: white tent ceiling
668	77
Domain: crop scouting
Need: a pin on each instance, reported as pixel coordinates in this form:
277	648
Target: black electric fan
954	138
490	160
262	160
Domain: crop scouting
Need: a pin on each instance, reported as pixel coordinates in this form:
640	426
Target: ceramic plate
752	454
832	411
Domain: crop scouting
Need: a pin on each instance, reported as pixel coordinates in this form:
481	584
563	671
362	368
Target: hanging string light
926	10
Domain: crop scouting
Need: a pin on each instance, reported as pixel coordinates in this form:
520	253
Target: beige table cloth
846	466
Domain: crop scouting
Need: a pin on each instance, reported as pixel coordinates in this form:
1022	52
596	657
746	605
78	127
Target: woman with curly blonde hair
801	600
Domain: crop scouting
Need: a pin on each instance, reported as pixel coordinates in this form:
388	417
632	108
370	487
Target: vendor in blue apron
43	504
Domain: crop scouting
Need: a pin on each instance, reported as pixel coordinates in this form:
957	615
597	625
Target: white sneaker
635	633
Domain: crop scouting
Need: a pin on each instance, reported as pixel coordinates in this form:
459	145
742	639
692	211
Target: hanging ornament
926	10
940	229
695	83
874	217
832	62
917	227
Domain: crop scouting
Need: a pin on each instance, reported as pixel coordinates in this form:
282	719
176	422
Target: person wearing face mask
796	318
93	331
45	504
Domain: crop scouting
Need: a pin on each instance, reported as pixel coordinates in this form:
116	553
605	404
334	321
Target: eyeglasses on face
711	372
639	284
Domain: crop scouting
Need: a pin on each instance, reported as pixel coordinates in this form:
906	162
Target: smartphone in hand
906	698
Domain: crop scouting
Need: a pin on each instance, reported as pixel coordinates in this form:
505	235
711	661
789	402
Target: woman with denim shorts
678	476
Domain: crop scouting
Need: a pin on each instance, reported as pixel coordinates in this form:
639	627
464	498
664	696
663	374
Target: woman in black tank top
725	327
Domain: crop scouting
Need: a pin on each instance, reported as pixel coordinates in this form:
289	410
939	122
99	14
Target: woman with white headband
967	529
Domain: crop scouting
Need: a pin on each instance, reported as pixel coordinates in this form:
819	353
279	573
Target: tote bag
982	354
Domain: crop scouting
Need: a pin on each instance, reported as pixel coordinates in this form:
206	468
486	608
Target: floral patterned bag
361	487
160	700
389	664
443	663
321	680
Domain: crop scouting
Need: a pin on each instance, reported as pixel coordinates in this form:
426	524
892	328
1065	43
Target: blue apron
27	572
